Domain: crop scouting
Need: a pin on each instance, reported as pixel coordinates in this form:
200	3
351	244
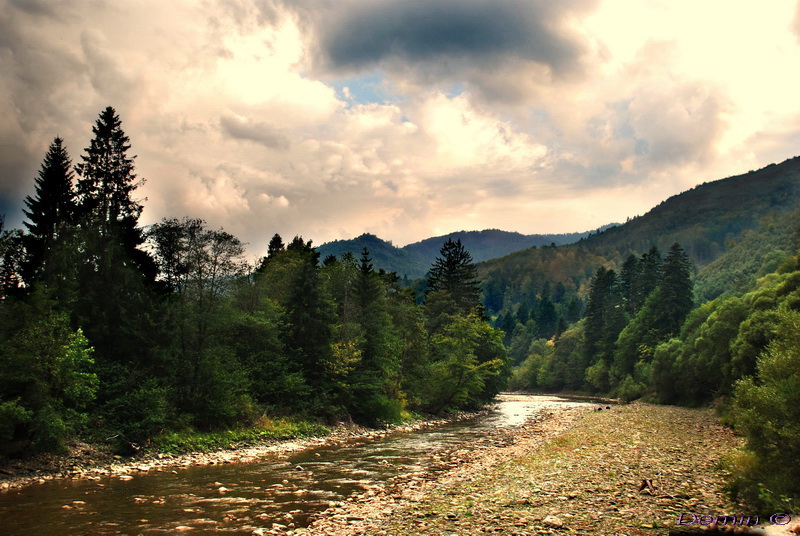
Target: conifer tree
604	316
52	208
275	246
107	179
676	289
454	273
114	305
50	247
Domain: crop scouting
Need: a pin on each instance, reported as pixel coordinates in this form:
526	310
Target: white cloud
233	110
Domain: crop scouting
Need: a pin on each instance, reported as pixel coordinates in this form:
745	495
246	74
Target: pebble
553	521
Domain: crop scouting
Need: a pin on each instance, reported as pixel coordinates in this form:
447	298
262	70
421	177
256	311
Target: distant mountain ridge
708	221
414	260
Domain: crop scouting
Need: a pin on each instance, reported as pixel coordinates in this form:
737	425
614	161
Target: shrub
766	411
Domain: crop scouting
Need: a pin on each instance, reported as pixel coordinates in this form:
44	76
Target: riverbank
92	462
625	470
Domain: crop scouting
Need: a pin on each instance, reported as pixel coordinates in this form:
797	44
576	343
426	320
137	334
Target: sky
402	118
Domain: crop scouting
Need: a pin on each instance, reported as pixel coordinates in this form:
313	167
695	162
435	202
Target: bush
767	410
630	389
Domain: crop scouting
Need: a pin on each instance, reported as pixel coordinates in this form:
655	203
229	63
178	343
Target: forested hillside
412	261
113	332
718	322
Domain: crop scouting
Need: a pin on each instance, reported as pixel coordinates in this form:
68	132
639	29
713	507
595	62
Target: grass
190	440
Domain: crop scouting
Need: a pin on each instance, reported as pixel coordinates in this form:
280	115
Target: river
238	498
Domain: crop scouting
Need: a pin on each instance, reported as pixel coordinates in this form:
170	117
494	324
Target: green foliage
185	335
46	377
754	254
137	408
458	372
179	442
630	389
767	410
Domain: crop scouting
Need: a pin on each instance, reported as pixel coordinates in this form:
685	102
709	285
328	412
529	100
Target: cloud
401	118
430	42
258	132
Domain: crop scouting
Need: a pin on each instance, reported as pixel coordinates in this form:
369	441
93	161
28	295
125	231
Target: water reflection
237	498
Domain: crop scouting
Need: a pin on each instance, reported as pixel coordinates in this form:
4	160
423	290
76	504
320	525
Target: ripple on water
239	498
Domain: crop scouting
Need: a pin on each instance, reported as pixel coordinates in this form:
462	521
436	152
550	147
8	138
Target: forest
111	331
659	328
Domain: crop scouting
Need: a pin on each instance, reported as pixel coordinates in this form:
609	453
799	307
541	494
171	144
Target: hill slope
703	218
706	220
384	254
415	259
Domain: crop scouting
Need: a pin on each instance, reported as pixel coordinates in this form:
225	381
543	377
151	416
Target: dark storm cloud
258	132
37	75
480	32
34	7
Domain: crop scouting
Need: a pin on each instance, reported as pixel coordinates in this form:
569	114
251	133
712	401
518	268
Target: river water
238	498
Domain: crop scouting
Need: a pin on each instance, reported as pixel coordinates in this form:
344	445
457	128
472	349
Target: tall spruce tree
454	275
676	289
114	305
605	319
107	179
51	216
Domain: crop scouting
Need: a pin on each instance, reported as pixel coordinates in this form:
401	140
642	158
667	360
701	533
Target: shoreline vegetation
94	461
629	469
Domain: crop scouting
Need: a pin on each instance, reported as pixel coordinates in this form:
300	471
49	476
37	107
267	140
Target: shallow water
237	498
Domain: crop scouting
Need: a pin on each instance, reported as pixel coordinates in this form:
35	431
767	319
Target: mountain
704	218
415	259
708	221
492	243
384	254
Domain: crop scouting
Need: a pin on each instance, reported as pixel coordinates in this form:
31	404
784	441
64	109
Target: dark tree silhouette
51	216
454	273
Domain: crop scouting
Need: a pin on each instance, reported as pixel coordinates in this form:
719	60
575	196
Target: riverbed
284	491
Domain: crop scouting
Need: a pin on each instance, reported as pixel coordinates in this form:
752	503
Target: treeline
609	350
110	330
641	336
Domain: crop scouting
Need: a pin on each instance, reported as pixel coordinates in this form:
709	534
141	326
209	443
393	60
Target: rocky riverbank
628	470
92	462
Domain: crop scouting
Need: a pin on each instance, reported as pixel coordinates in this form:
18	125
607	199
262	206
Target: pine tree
628	276
51	217
604	316
275	246
454	273
114	305
107	179
649	273
676	298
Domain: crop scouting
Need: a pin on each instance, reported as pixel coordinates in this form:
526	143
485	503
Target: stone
553	521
